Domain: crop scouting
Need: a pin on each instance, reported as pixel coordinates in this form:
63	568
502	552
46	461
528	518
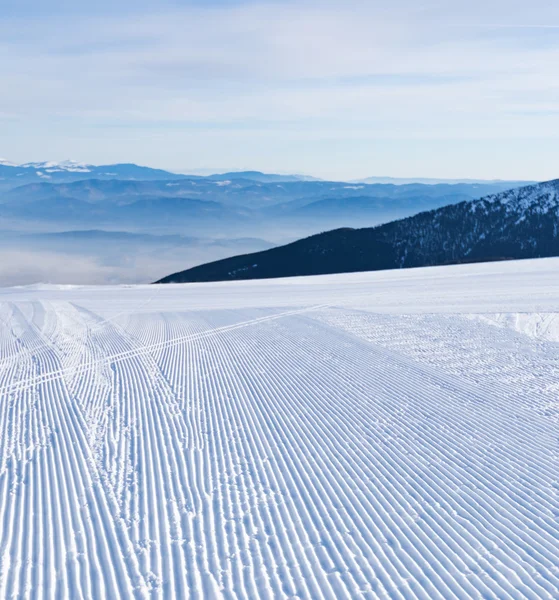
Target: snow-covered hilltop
64	165
540	198
373	435
58	172
72	166
519	223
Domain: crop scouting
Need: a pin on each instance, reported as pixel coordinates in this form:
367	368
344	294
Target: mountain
434	181
340	208
261	177
12	175
273	197
143	213
55	167
102	242
519	223
280	212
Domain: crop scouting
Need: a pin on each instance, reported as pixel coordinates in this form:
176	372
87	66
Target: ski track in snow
382	435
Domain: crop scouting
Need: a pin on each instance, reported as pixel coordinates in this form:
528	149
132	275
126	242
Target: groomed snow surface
374	435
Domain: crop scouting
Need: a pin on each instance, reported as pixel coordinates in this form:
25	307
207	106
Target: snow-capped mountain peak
541	198
53	166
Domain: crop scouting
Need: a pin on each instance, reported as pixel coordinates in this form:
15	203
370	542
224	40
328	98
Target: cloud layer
335	89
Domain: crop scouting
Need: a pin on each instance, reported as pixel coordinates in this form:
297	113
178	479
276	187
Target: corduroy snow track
376	435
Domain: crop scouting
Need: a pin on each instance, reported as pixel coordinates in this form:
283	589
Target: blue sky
334	89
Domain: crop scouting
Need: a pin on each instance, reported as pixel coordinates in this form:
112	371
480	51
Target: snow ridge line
24	384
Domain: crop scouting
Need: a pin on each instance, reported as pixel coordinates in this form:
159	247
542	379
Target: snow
53	166
541	326
541	197
373	435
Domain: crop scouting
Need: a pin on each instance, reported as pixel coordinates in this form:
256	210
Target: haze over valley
71	222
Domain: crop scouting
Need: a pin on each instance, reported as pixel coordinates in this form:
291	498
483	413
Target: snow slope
372	435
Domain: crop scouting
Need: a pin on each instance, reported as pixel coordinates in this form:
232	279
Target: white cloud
289	71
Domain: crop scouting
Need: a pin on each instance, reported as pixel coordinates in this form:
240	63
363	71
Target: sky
336	89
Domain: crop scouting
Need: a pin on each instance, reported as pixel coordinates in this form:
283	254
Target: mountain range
518	223
14	175
129	223
434	180
277	211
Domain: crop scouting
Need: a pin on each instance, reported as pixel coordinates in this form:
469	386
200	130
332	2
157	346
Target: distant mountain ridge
436	180
12	175
66	171
240	192
279	211
259	176
156	222
518	223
